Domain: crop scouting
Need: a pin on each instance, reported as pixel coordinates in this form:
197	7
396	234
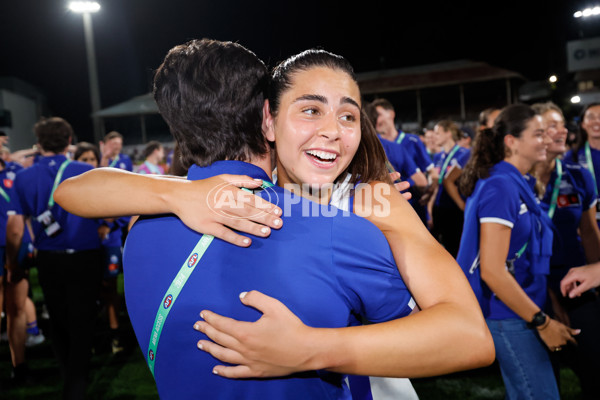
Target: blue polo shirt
575	195
329	270
400	160
416	150
500	203
459	160
122	161
32	188
581	160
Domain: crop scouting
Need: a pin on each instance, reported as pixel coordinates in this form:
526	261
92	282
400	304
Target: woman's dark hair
582	136
53	134
211	95
151	146
489	148
84	147
368	163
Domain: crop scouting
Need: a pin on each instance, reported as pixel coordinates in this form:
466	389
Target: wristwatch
538	320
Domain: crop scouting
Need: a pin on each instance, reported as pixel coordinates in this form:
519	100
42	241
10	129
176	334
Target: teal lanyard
590	165
59	175
555	189
400	137
174	290
114	162
446	162
5	195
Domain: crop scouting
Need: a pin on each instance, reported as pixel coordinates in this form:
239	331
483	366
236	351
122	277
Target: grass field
125	376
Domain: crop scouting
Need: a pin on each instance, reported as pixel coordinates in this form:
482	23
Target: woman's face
89	157
532	145
441	136
591	122
317	128
556	131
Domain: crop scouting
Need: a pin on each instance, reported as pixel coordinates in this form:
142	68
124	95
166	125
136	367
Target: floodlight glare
84	6
575	99
552	79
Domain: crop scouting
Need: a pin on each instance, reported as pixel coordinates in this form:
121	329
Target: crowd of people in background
542	313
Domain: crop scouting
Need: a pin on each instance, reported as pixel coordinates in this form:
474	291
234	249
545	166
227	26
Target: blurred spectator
154	153
110	232
68	257
111	148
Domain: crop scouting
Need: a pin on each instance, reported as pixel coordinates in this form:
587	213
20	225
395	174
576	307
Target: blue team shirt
122	162
575	195
329	271
459	159
500	203
398	157
32	188
416	150
581	160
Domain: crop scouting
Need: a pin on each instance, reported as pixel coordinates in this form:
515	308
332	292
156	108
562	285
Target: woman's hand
217	206
555	334
580	279
258	349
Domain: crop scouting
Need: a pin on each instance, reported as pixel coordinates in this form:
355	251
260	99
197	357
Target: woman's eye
310	111
348	118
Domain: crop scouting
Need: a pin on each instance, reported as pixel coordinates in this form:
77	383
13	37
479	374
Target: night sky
42	42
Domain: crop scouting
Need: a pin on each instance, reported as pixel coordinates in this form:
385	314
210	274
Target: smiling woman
505	250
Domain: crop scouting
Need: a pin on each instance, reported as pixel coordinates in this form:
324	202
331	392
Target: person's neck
448	146
264	163
594	143
321	195
152	160
524	166
390	134
543	169
44	153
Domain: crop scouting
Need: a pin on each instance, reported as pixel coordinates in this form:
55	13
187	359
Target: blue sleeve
499	203
463	158
588	184
17	193
367	272
421	157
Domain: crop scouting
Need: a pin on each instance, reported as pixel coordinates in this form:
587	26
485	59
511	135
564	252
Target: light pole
86	8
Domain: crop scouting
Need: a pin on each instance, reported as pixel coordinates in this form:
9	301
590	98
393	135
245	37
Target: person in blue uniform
331	270
586	151
110	148
505	251
17	285
448	204
110	232
569	199
68	252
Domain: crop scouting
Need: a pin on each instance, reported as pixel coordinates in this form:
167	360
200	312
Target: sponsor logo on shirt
7	183
567	200
192	260
523	209
168	301
151	355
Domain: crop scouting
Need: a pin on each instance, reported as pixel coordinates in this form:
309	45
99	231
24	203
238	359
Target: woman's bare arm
494	245
448	334
214	206
451	188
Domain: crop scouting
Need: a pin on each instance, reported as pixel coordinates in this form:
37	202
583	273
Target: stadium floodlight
553	79
575	99
84	6
587	12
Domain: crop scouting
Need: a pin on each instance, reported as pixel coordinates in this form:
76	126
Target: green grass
125	376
